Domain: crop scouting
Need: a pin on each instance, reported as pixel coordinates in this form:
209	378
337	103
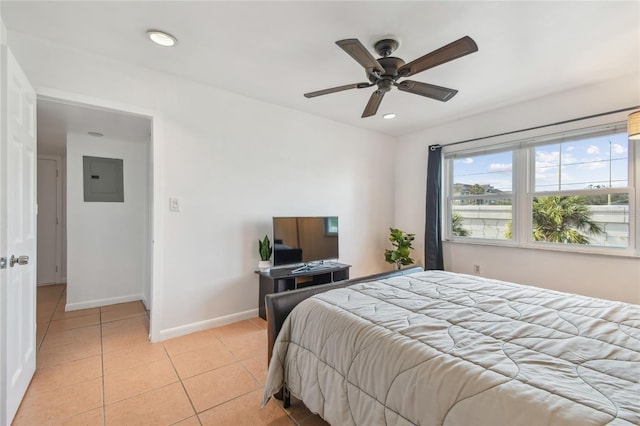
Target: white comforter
437	348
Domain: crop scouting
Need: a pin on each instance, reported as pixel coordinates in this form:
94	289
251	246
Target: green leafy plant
402	243
265	249
457	228
561	219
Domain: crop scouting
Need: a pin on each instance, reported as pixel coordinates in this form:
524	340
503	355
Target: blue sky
584	162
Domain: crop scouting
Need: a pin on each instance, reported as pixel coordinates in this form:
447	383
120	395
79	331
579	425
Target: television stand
283	279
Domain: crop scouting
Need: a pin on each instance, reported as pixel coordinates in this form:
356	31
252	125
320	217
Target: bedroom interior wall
107	258
609	277
233	163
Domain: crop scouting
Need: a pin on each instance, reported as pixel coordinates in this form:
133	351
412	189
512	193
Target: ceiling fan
387	70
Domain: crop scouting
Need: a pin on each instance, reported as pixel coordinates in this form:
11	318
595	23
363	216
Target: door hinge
56	268
57	173
3	263
56	220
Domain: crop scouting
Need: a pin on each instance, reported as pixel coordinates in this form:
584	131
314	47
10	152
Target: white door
18	236
49	226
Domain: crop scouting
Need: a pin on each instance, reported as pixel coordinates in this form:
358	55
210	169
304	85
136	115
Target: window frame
523	191
450	198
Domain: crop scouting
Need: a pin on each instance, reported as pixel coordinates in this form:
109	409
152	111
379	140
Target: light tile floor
96	367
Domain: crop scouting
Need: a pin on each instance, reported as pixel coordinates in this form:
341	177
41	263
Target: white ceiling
56	120
276	51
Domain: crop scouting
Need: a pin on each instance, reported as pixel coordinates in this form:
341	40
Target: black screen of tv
304	239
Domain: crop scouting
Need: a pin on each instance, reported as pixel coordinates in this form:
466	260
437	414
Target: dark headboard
279	305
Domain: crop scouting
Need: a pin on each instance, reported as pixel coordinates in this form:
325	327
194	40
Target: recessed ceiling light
161	38
389	116
96	134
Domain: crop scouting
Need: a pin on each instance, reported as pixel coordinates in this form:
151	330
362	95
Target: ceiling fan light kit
385	71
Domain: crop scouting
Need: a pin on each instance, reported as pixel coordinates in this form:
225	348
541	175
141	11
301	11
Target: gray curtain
433	225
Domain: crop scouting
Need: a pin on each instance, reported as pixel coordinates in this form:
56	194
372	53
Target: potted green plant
402	243
265	250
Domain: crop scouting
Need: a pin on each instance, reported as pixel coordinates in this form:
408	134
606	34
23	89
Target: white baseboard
62	281
102	302
50	283
170	333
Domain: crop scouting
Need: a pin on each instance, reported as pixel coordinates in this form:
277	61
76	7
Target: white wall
107	255
606	277
233	162
609	277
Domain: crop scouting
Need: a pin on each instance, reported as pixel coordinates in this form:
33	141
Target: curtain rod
543	126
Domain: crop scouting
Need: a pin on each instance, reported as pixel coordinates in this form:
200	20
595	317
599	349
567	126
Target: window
581	192
482	195
570	190
331	225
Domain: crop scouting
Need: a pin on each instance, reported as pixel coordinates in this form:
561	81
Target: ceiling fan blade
337	89
429	90
373	104
447	53
357	51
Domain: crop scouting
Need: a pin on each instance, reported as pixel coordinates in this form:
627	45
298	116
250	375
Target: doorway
49	220
105	249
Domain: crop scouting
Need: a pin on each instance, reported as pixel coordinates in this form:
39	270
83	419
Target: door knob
20	260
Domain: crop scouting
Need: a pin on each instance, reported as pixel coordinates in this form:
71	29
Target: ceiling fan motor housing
391	66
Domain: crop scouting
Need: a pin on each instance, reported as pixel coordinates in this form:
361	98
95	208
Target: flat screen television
305	240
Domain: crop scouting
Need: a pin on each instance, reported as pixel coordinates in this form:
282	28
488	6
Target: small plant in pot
265	250
402	243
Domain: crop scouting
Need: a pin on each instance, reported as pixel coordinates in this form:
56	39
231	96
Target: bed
439	348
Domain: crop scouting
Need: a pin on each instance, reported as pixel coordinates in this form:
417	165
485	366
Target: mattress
438	348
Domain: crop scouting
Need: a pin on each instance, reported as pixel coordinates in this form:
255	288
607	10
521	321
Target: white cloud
570	148
497	182
545	179
593	165
547	157
500	167
467	160
618	149
593	150
546	160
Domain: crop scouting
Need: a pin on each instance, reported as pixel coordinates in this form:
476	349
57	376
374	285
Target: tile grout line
273	400
104	408
238	361
62	293
60	297
101	335
175	370
254	377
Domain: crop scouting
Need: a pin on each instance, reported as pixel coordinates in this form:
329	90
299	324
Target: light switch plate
174	204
